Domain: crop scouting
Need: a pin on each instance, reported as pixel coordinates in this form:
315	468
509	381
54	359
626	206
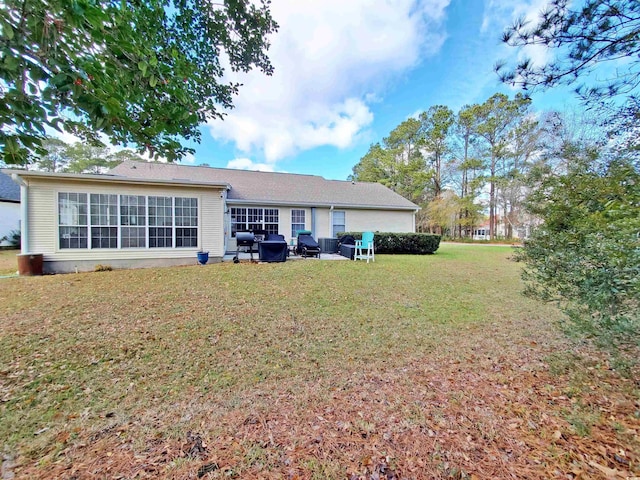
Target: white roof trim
233	201
87	177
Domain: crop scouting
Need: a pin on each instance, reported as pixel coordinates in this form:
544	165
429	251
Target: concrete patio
244	256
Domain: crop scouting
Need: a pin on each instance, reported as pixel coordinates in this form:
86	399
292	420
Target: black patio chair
307	246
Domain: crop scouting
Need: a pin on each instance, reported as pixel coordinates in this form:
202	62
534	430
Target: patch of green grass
323	469
582	419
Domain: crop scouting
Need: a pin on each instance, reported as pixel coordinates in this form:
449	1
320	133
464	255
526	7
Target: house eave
284	203
94	178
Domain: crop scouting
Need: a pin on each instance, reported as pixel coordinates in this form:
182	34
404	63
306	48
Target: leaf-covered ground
408	368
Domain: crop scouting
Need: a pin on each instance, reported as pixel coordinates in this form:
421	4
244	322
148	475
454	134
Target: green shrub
13	238
402	243
586	255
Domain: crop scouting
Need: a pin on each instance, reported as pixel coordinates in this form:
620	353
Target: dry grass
8	262
412	367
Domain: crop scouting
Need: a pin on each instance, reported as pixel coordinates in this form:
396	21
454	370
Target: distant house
520	231
145	214
481	232
9	207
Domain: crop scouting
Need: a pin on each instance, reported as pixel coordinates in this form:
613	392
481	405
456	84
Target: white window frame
253	216
72	220
146	226
334	231
171	227
104	225
294	212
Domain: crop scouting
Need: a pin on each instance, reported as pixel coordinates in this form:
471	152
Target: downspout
24	212
415	212
313	221
331	222
226	221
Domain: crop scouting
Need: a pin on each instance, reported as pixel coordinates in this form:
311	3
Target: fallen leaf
609	472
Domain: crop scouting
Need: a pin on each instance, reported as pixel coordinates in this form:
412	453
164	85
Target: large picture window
126	221
297	222
254	219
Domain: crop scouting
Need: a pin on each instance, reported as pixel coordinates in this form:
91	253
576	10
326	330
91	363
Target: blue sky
347	73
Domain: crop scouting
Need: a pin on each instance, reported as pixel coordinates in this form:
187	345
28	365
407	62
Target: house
9	208
147	214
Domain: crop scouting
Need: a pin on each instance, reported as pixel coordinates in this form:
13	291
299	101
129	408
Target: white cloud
499	14
332	60
188	159
247	164
496	12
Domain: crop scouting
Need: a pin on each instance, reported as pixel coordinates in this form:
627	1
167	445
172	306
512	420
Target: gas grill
244	240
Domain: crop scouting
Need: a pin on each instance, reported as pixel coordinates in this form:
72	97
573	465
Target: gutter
24	212
88	177
289	203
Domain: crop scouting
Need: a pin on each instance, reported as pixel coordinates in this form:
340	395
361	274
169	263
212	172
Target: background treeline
477	166
78	157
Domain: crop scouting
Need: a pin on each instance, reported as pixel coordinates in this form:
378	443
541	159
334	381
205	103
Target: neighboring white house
9	207
145	214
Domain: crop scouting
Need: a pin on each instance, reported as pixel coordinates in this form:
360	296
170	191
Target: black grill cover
307	241
272	251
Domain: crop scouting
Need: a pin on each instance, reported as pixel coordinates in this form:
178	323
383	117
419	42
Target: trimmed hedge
402	243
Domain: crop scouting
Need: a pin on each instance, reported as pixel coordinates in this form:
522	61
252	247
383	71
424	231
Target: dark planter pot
203	258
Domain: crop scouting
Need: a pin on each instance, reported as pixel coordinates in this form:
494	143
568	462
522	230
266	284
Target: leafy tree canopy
600	31
142	73
79	157
397	163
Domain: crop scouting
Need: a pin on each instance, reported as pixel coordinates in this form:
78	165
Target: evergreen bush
402	243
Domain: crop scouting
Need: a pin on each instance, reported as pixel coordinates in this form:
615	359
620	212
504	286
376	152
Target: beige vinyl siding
357	220
43	219
323	223
360	220
379	220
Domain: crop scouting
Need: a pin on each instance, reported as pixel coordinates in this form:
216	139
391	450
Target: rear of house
150	214
285	203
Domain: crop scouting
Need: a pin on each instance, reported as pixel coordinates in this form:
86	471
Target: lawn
410	367
8	262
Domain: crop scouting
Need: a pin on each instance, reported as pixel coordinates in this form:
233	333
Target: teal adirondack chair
364	248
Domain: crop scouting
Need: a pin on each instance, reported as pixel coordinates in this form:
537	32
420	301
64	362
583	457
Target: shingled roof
9	190
274	188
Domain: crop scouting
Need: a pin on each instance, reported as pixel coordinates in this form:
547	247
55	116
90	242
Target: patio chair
364	248
307	245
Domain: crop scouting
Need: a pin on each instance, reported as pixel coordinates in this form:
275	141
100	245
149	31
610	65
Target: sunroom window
98	221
